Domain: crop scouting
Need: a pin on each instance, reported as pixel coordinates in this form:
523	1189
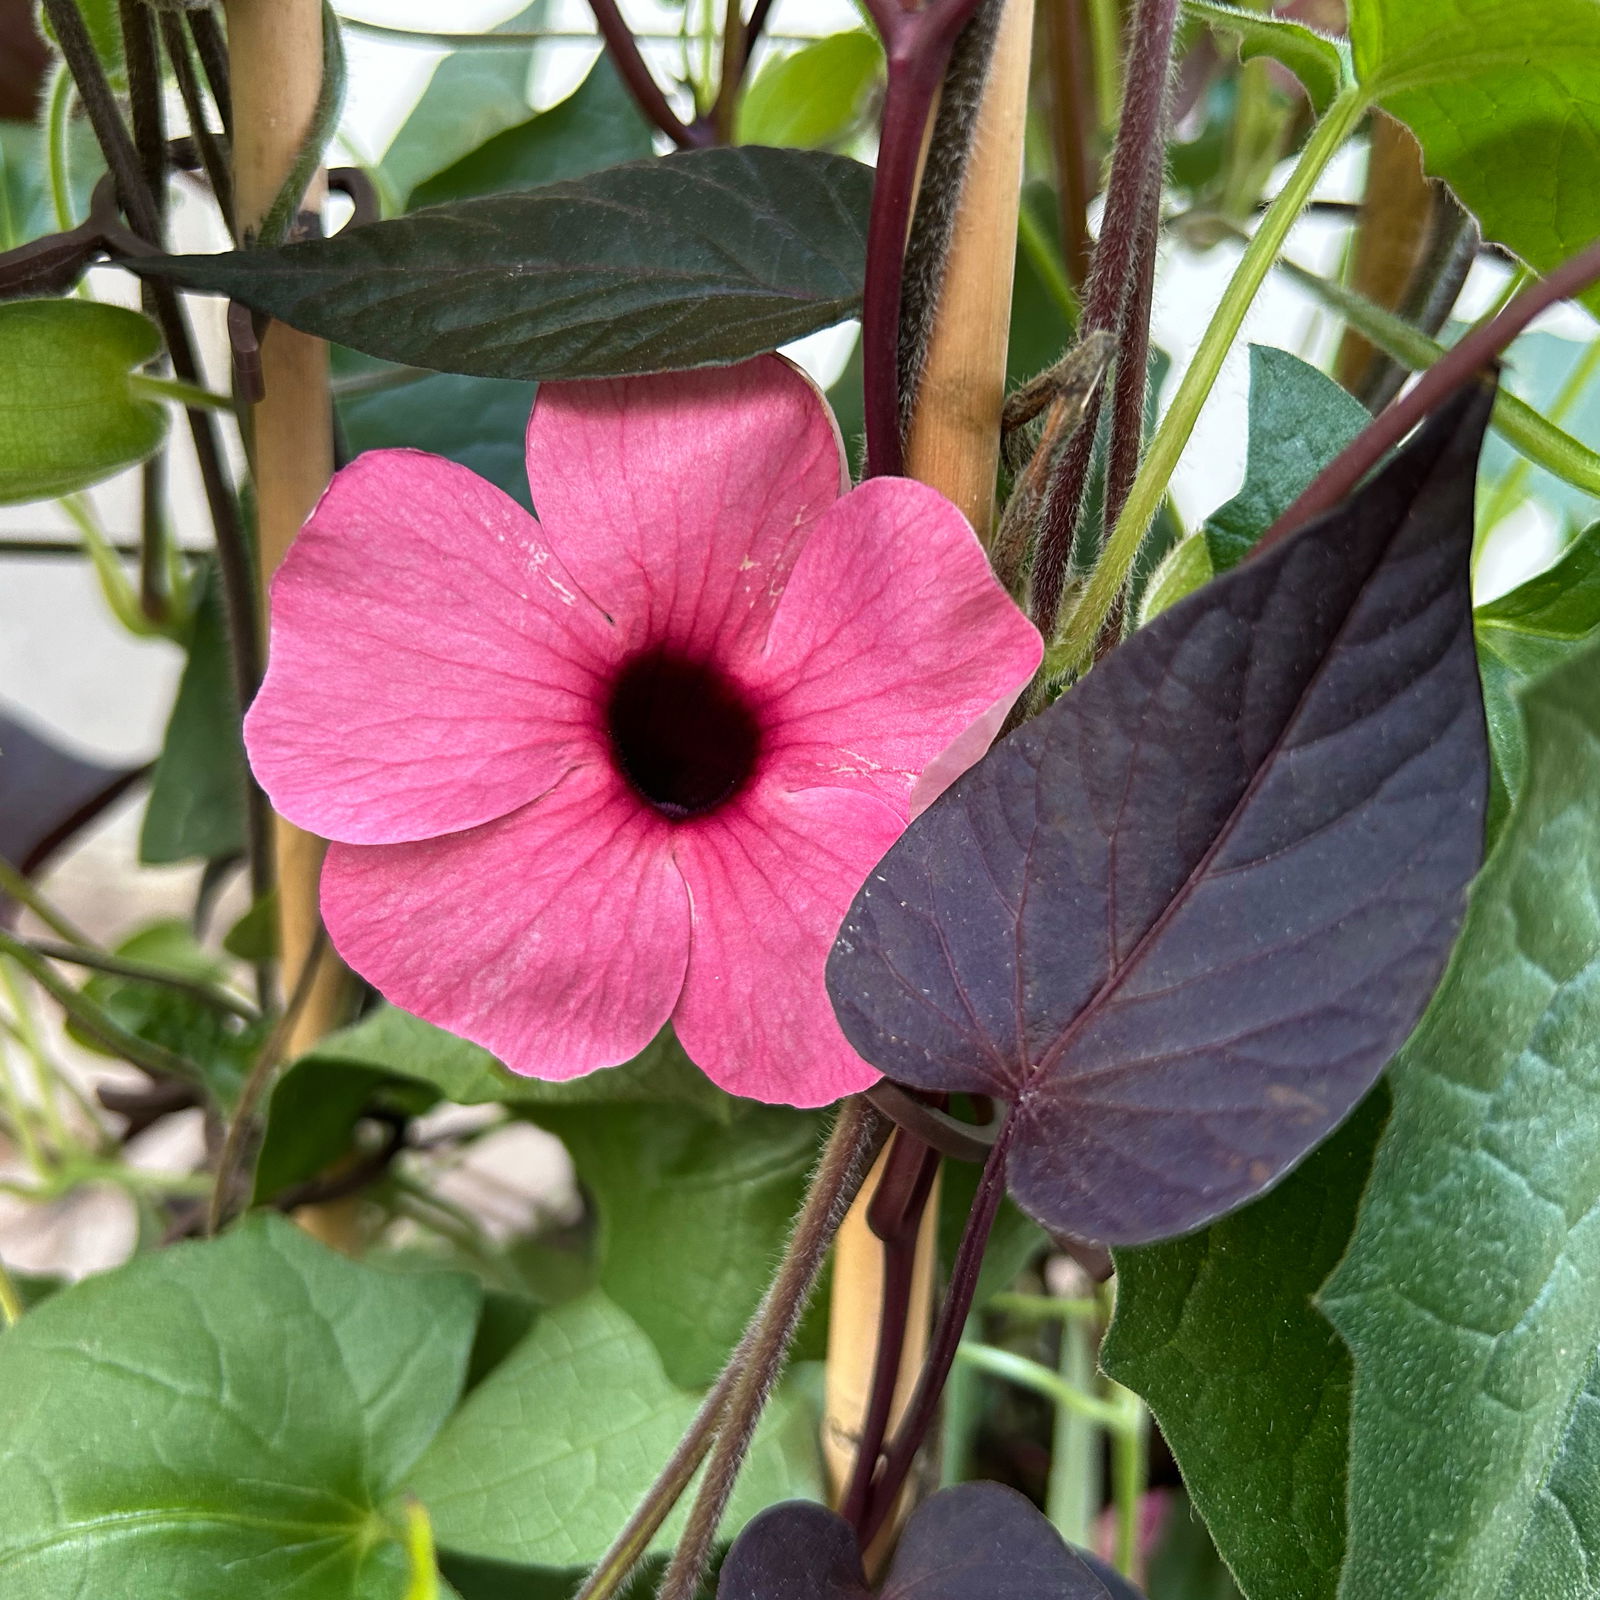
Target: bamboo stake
954	440
1392	238
275	47
953	445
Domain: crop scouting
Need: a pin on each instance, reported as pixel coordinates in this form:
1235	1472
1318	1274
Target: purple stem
1130	384
953	1313
1111	286
1465	359
624	51
917	45
895	1216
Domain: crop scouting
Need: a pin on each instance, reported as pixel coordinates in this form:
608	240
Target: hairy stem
1111	295
843	1168
1150	486
212	157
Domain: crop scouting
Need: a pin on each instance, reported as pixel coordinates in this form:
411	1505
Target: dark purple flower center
683	734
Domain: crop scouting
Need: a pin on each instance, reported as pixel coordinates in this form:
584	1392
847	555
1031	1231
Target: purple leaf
47	794
978	1541
1183	919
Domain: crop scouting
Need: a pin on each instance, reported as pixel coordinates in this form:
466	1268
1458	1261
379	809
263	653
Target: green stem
94	1020
186	394
57	152
1536	437
209	994
21	1119
1046	264
1150	486
115	584
27	1034
1509	489
1105	42
1043	1307
1072	1494
1130	1469
14	886
962	1411
1028	1374
10	1299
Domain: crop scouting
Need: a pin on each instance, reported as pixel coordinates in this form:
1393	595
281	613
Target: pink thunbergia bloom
629	762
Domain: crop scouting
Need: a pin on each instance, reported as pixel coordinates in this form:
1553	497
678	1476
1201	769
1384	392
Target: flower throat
681	733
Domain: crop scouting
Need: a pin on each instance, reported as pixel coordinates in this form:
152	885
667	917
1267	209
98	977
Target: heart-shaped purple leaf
1183	919
978	1541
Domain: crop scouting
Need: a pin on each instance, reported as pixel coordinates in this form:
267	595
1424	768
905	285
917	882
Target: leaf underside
690	260
1183	918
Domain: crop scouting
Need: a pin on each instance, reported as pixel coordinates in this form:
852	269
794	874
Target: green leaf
472	95
1557	1559
693	1212
1521	636
699	258
1468	1295
197	792
812	97
597	125
1220	1333
1319	61
68	415
546	1459
1504	98
1182	570
1300	419
223	1419
26	210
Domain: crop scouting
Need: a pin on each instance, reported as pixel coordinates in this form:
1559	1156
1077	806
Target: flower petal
892	638
680	501
771	880
432	665
556	937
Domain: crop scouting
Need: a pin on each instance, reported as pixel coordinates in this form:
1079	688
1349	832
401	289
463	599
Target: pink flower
632	761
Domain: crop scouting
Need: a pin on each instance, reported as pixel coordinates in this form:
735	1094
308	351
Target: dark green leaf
699	258
197	793
548	1456
1504	97
692	1212
223	1419
1221	1335
472	95
1300	419
597	125
1467	1296
479	422
812	97
68	415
